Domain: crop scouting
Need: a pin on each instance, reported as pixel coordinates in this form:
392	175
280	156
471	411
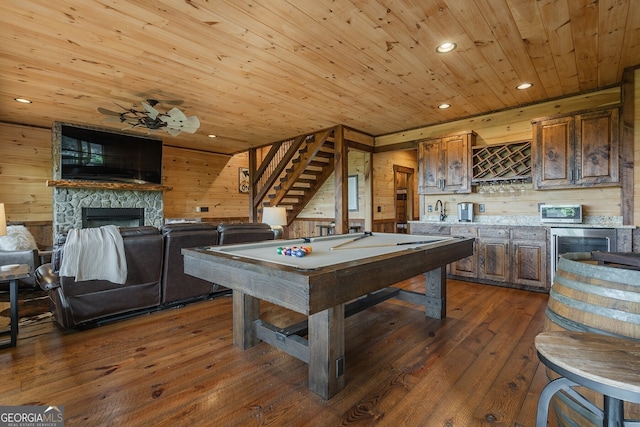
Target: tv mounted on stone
92	154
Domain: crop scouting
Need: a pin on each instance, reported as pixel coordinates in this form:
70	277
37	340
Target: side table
604	364
11	274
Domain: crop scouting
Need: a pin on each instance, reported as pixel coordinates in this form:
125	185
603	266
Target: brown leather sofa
177	286
247	232
155	279
76	303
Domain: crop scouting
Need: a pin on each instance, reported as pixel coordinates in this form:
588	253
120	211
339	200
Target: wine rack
500	162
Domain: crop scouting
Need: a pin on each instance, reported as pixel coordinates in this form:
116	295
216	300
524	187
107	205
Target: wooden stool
604	364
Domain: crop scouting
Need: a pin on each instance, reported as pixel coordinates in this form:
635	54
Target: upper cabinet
445	164
577	150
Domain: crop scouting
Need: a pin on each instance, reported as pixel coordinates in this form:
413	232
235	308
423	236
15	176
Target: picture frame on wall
243	180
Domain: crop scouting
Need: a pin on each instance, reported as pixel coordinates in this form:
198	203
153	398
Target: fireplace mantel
107	185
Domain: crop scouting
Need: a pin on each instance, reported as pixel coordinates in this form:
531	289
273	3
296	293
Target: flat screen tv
90	154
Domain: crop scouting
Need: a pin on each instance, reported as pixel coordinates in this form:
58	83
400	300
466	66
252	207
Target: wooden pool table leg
436	293
246	309
326	352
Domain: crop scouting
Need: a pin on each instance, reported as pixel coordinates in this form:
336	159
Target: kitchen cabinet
466	267
515	256
529	256
445	164
493	254
579	150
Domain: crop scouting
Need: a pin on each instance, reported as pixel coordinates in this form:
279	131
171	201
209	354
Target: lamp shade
274	216
3	221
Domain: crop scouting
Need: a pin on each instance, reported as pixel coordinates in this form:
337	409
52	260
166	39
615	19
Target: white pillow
18	238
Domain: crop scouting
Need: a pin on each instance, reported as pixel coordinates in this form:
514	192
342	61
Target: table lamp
3	221
276	217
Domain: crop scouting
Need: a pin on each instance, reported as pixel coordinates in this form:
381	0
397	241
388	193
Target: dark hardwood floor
477	367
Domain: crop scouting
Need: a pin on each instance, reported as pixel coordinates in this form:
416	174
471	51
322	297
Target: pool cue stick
366	234
382	245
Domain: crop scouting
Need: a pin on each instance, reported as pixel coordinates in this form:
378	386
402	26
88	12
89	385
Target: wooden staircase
293	171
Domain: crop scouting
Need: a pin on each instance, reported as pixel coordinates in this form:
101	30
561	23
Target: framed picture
243	180
353	192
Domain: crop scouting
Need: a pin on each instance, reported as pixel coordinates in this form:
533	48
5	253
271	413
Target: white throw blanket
95	254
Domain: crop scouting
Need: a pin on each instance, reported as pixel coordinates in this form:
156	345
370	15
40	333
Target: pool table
342	273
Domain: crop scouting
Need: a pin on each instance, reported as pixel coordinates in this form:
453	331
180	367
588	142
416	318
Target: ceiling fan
173	121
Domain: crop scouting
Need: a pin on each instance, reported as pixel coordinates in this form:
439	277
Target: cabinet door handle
570	174
578	173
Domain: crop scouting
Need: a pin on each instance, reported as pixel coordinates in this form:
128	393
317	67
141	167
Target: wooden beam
341	168
627	146
253	209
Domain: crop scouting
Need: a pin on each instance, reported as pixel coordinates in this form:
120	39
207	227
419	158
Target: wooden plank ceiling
258	72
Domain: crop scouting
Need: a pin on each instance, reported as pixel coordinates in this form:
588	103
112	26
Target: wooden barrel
596	298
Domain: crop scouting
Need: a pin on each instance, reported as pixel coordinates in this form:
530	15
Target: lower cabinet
466	267
509	256
493	254
529	256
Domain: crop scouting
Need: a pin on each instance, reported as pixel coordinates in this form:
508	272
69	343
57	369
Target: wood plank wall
201	179
24	169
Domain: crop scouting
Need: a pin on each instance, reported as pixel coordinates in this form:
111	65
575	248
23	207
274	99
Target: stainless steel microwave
561	214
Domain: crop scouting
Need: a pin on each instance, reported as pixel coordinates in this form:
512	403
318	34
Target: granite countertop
522	220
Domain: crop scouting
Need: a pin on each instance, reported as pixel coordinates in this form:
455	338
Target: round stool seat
605	364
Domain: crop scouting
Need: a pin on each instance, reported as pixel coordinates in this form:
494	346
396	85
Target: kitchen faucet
442	210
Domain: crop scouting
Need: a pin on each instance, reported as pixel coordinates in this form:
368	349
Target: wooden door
403	190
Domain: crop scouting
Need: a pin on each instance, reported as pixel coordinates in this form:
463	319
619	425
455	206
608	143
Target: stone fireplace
68	204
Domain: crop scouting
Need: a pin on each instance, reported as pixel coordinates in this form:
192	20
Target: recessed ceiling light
212	135
23	100
444	106
446	47
523	86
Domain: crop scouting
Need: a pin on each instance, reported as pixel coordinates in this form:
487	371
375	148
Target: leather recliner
76	303
176	285
245	232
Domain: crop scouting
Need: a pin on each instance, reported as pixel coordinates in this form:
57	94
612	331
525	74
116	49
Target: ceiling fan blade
176	119
173	116
151	112
112	119
191	125
108	112
173	132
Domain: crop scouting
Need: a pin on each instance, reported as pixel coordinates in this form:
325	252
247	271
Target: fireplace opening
122	217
